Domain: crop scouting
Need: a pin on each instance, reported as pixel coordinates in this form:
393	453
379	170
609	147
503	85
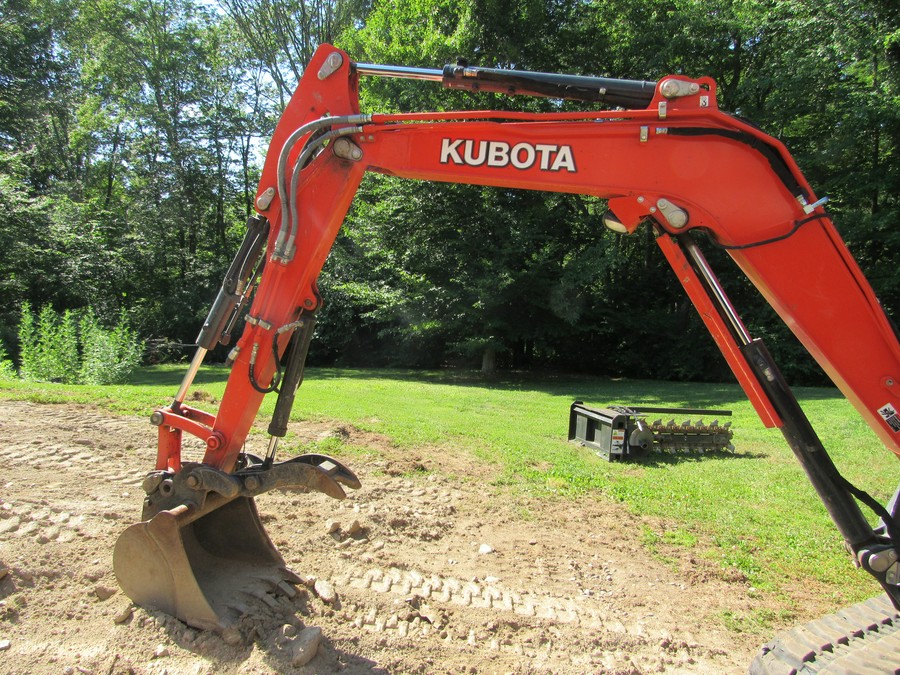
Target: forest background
132	133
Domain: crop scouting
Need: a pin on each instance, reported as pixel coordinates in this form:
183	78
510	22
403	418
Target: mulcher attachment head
620	433
201	552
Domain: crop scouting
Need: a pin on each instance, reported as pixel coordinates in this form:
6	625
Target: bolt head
677	219
668	88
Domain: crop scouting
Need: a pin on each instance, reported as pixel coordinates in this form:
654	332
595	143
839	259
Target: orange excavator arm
713	171
671	159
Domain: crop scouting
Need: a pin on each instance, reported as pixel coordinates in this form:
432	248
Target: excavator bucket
207	559
200	571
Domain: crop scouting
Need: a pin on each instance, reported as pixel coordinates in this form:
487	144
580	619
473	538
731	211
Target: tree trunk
489	360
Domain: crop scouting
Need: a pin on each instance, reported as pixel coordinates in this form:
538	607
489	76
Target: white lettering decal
476	160
448	151
564	160
523	156
545	151
499	154
516	156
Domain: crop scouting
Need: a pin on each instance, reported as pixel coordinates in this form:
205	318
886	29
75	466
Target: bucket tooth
290	577
331	467
287	589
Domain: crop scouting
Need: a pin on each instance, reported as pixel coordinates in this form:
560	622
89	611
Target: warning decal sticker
890	416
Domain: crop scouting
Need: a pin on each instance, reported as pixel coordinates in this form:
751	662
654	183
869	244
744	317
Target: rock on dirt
325	591
304	646
123	615
105	592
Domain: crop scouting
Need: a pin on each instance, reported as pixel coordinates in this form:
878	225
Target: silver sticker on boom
889	413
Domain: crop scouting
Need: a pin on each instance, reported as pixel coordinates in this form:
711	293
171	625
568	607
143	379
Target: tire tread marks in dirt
558	591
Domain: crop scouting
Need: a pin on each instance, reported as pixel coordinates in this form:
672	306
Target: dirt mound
428	568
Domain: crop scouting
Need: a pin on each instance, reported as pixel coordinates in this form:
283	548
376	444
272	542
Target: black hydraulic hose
276	377
245	298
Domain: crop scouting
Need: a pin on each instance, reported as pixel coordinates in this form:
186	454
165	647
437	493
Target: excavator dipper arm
672	160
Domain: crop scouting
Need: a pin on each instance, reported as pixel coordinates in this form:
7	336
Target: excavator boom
667	159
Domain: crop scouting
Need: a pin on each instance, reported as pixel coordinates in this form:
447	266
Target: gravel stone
104	592
325	591
305	646
123	615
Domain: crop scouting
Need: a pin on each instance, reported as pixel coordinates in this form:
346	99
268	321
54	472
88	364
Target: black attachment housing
615	435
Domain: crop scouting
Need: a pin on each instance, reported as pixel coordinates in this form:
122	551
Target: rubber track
857	640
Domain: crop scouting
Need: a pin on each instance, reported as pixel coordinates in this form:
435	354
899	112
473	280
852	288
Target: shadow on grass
559	383
171	375
658	459
595	389
590	389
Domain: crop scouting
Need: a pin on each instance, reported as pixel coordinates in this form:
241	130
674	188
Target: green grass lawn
752	511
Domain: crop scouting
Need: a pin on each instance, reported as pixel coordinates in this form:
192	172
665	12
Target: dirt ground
428	568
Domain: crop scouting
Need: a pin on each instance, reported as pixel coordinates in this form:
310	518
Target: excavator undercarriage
665	158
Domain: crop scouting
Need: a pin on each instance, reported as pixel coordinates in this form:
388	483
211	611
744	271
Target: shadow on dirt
285	639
